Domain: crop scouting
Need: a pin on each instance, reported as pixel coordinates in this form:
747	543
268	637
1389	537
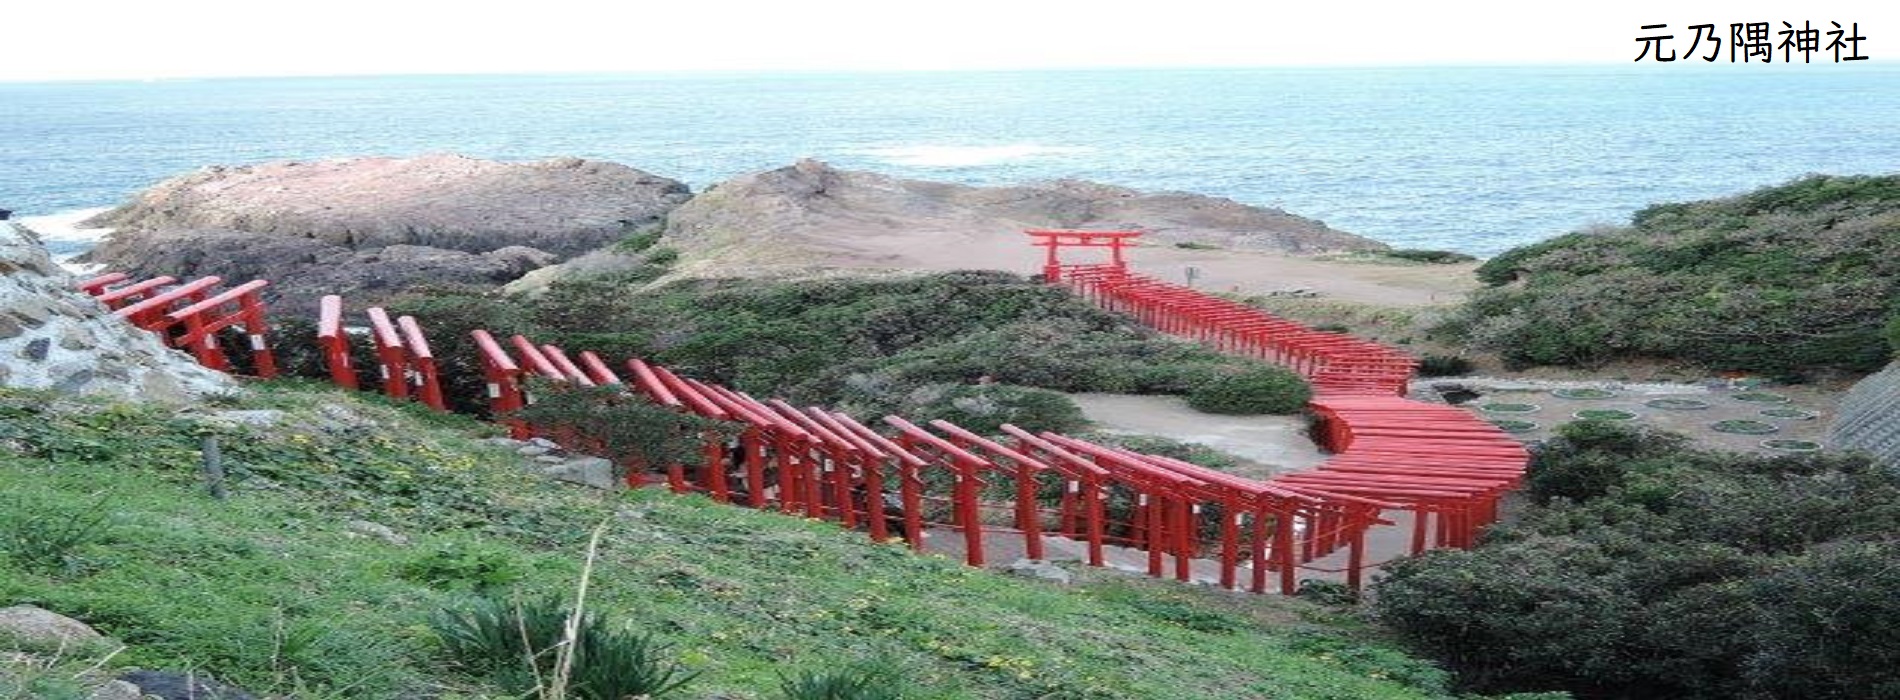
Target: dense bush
1800	276
1436	257
866	342
1654	570
1260	390
1444	366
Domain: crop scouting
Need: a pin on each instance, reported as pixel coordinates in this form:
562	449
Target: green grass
272	591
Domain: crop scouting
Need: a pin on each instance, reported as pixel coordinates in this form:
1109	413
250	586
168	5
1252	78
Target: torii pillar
1054	239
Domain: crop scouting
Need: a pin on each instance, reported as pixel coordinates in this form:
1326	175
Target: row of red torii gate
985	498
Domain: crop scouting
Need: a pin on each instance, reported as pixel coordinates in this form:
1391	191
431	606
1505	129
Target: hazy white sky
91	39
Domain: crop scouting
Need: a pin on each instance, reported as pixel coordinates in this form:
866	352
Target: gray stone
594	472
116	690
1039	569
544	442
75	383
36	349
167	685
550	459
9	328
39	627
532	450
378	531
258	418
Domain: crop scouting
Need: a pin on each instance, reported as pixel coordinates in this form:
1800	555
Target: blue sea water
1473	159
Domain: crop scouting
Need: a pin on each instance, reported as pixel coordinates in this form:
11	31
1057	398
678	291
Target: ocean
1475	159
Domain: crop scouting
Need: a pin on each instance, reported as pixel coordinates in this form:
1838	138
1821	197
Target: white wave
968	156
64	226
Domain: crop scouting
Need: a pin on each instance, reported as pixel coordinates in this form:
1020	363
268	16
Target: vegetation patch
272	591
1515	426
1605	414
1509	407
1792	445
1760	397
1583	393
1647	569
1744	427
1784	280
1790	413
1677	404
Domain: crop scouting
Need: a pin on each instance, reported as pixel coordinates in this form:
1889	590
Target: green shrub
1780	281
1436	257
662	256
629	427
464	566
639	242
863	680
1262	390
1196	245
48	539
515	644
1444	366
982	408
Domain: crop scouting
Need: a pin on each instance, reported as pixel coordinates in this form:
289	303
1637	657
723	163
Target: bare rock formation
342	226
810	214
52	336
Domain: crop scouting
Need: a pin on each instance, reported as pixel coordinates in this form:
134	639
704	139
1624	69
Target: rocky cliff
54	337
367	224
812	214
1869	417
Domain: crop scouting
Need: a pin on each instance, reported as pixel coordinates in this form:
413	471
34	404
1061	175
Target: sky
143	39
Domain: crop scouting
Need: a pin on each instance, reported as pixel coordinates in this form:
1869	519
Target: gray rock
116	690
65	341
167	685
544	442
550	459
1039	569
39	627
258	418
366	225
587	471
532	450
378	531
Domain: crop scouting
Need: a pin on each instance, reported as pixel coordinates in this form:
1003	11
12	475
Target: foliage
1785	279
662	256
1195	245
270	590
980	407
876	679
641	241
48	538
514	642
1444	366
1436	257
1654	570
1261	390
464	565
627	426
861	344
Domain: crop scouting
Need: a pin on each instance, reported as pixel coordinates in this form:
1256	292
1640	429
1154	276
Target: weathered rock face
343	226
34	626
54	336
812	214
1869	417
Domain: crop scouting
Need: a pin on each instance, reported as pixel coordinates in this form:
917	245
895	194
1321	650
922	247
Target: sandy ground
1554	411
1247	272
1266	445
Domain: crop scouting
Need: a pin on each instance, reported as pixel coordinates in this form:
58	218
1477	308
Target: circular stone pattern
1743	427
1761	397
1582	393
1605	414
1509	408
1789	413
1515	426
1677	404
1792	445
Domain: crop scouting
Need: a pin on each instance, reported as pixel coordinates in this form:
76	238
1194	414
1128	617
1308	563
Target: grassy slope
270	589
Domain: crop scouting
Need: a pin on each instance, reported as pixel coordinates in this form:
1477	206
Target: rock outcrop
52	336
812	214
369	224
1869	417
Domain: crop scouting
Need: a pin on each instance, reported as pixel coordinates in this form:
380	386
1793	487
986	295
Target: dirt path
1266	445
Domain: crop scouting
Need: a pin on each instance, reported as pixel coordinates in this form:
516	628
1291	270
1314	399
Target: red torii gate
1054	239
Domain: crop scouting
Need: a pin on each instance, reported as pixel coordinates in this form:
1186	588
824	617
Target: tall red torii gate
1054	239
